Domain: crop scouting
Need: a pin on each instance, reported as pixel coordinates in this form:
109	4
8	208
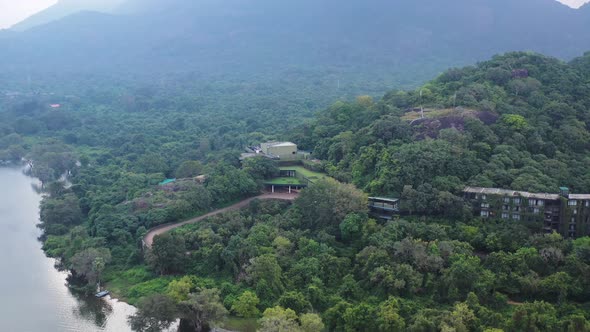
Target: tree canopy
516	121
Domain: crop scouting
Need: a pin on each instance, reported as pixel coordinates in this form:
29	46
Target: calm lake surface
33	294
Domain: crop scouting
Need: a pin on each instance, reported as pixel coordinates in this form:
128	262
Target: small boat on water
102	294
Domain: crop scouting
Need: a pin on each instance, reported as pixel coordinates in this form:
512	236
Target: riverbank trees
156	313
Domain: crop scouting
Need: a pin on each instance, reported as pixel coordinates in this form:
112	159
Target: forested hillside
517	121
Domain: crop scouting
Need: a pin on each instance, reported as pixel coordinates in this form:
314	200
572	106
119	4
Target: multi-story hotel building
565	213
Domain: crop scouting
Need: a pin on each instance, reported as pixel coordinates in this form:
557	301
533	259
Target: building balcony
383	208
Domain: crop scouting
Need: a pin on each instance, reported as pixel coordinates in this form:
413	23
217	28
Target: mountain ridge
262	36
64	8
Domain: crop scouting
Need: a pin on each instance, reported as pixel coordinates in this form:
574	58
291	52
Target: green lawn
304	171
292	181
133	284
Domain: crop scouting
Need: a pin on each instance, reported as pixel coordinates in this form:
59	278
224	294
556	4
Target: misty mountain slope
64	8
414	39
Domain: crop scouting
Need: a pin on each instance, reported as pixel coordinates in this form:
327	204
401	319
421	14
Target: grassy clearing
305	172
135	283
277	181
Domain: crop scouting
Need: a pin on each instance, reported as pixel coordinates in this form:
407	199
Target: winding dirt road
149	237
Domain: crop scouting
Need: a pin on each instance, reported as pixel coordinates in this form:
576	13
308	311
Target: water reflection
37	187
92	309
35	296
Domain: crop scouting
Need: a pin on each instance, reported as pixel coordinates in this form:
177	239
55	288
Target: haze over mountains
64	8
574	3
242	37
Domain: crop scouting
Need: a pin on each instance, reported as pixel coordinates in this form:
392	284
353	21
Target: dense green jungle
519	121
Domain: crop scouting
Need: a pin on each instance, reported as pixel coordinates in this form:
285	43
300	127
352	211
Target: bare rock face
431	126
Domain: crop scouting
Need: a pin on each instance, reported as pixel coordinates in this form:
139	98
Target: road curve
148	239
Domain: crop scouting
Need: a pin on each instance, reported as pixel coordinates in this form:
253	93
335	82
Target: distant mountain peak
574	3
64	8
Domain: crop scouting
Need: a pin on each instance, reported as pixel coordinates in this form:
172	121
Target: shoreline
115	298
37	278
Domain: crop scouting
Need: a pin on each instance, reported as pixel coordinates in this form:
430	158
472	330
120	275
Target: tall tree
168	253
261	167
189	168
246	305
326	203
278	319
90	263
155	313
203	310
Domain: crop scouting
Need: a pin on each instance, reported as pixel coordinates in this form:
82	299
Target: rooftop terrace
512	193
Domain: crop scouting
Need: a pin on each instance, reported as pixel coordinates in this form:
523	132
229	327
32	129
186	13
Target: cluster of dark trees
357	274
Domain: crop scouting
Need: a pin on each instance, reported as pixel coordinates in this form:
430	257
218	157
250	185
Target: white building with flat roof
281	150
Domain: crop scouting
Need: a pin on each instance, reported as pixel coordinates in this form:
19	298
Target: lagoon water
33	293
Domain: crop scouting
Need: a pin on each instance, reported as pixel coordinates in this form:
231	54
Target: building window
484	197
540	202
516	216
532	202
517	201
572	202
485	205
587	203
505	207
536	210
485	214
507	200
575	211
517	208
504	215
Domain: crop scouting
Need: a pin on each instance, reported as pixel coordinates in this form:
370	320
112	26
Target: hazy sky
14	11
571	3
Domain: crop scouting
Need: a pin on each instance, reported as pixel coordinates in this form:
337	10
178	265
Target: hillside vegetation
517	121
